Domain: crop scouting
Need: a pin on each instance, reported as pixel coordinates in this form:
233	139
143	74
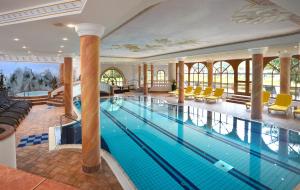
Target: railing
68	117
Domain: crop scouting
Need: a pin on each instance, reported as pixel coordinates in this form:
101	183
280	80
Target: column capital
181	58
261	50
285	54
86	29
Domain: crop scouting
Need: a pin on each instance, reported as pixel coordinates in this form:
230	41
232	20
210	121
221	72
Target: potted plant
174	85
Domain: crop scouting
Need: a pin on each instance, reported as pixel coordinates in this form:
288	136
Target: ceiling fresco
176	25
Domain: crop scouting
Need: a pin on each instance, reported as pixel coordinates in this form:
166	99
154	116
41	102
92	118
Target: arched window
199	75
271	77
224	76
160	75
271	80
149	77
112	76
295	78
244	80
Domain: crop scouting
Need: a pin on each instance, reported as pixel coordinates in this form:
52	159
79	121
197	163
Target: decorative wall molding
51	10
31	58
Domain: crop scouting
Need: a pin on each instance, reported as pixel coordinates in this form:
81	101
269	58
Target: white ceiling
133	31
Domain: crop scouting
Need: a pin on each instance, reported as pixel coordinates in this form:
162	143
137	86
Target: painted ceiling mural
177	25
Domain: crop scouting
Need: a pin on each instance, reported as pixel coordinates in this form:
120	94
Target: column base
90	169
256	117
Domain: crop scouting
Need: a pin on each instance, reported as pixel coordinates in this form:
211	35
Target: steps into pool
238	99
57	100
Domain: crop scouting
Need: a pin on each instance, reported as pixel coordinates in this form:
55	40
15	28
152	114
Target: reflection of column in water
151	105
209	119
283	144
256	141
246	128
189	119
180	117
145	110
171	111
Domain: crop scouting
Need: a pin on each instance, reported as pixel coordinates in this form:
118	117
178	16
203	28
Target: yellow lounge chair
197	91
207	92
296	112
265	96
282	103
216	96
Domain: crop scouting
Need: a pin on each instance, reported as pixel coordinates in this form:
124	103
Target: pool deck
59	165
237	110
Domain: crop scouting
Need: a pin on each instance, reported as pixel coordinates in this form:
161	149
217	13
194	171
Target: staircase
238	99
57	100
36	100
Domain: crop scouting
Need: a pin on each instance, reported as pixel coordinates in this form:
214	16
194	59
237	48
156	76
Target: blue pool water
163	146
33	93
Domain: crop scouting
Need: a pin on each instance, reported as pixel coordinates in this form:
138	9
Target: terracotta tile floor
61	165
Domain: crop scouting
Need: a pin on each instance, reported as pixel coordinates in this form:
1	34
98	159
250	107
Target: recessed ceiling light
59	51
24	47
29	52
61	46
71	25
65	39
16	39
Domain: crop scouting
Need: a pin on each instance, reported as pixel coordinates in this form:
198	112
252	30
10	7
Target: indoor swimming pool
164	146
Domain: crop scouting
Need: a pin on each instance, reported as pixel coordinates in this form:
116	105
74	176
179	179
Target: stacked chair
12	112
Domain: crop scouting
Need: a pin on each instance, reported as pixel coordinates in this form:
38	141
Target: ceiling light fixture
24	47
59	51
65	39
71	25
16	39
61	46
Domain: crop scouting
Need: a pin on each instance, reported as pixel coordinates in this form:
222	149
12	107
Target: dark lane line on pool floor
173	172
238	146
234	172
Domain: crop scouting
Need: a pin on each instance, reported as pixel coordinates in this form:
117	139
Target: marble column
61	73
210	73
172	72
145	80
152	75
285	72
139	73
68	85
90	72
181	80
257	82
